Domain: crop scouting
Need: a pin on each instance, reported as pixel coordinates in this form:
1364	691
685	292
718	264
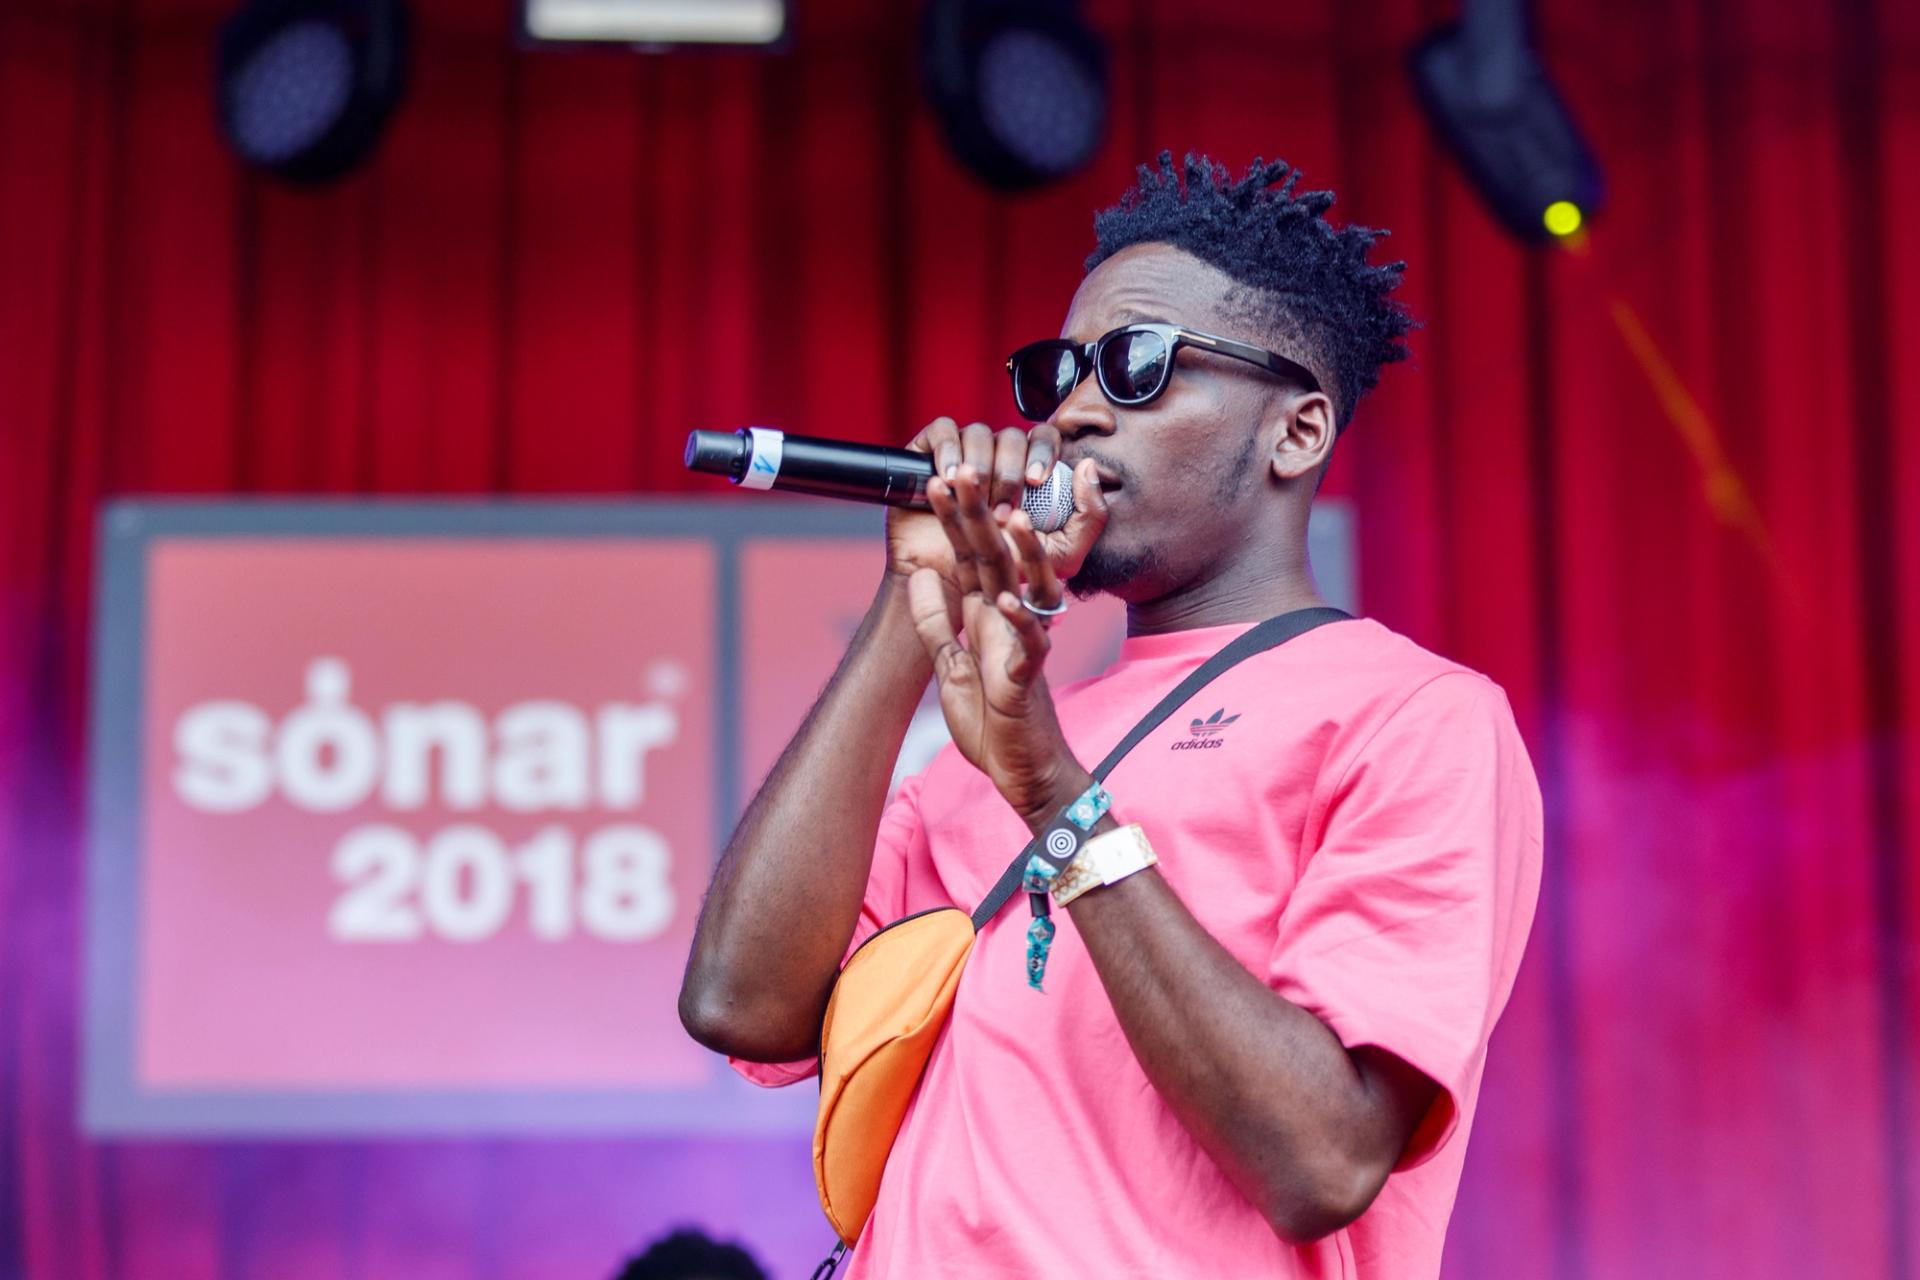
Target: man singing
1261	1029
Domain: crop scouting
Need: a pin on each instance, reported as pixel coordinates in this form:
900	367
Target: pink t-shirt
1364	833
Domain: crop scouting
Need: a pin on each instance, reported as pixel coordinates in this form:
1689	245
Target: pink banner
423	812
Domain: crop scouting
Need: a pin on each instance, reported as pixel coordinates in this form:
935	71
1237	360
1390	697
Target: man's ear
1305	436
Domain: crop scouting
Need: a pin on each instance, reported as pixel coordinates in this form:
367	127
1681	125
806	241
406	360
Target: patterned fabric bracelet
1090	807
1060	845
1037	883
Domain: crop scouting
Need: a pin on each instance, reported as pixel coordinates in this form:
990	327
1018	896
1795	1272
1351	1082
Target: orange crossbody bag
895	991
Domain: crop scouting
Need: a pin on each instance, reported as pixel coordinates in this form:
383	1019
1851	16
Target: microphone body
763	458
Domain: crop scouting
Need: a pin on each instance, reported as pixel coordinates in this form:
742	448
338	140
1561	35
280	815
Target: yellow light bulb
1562	217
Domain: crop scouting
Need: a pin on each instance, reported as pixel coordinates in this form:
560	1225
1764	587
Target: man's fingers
990	558
940	497
1043	584
1083	527
976	448
927	605
1014	458
1043	447
939	440
1024	659
1009	467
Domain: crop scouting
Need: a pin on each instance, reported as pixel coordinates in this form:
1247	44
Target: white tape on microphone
763	459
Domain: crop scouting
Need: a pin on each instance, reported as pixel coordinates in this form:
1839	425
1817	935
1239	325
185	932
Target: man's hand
1004	463
992	689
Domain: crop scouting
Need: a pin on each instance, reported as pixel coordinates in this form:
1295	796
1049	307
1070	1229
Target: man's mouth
1110	483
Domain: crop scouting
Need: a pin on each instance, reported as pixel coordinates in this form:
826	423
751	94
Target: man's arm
786	894
1306	1129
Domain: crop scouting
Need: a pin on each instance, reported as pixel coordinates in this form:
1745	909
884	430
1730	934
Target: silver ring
1039	612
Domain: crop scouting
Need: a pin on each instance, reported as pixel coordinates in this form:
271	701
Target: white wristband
1103	860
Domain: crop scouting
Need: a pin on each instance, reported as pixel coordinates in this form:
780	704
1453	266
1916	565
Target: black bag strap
1267	635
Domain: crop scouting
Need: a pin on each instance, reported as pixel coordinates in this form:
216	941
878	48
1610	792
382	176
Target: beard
1111	570
1106	569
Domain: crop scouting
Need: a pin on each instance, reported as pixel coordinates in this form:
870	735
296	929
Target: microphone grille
1049	503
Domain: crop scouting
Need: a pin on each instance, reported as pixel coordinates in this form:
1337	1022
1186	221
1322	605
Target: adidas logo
1206	733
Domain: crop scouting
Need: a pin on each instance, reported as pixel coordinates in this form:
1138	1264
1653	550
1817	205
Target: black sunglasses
1133	365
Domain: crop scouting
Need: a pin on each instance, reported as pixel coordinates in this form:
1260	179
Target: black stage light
1019	87
305	86
1489	99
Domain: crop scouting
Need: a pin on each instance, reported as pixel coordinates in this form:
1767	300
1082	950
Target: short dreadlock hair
1305	279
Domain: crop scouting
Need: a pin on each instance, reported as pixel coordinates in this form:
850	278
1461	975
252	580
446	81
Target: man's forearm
1262	1084
786	894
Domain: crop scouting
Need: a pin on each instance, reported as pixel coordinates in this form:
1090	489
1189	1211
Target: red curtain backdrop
1666	491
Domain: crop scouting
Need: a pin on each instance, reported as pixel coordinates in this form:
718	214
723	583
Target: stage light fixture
656	23
1489	99
304	87
1019	87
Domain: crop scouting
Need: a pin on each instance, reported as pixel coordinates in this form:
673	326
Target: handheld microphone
763	458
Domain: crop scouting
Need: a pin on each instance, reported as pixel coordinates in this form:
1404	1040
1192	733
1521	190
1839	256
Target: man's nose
1084	412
